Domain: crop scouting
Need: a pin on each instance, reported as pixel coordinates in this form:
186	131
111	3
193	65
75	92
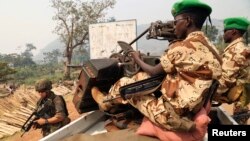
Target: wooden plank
1	136
21	113
13	117
5	106
4	130
26	110
10	127
12	122
18	115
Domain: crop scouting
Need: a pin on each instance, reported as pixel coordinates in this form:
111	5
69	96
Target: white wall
103	37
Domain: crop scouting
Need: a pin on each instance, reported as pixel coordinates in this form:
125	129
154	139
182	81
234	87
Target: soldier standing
56	115
190	65
234	83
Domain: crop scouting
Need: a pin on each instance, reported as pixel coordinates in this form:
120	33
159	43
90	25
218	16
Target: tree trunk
67	69
66	63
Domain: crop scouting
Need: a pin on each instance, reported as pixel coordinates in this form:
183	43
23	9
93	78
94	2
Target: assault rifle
39	112
139	88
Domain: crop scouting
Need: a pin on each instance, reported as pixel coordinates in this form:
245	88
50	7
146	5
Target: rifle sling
215	54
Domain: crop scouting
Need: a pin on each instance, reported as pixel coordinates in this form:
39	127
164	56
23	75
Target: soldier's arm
60	111
232	66
151	70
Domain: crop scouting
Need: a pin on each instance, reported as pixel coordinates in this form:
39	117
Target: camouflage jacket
190	67
235	68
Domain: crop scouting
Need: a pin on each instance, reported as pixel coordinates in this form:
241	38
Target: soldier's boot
99	97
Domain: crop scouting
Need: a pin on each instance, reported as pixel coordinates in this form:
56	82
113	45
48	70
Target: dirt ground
35	135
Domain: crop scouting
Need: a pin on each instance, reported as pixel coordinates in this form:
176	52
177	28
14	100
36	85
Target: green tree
247	35
52	57
211	32
220	44
5	71
73	18
27	53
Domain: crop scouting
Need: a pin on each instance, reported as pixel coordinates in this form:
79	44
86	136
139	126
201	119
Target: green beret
236	23
195	6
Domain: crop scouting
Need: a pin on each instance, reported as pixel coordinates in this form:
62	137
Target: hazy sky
30	21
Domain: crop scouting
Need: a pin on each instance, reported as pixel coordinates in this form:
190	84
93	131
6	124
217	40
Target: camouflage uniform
235	74
57	107
190	68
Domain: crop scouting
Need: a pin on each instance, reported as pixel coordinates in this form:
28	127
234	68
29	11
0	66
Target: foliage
23	70
27	53
5	71
73	18
247	35
80	56
20	60
211	32
220	44
28	75
56	77
52	57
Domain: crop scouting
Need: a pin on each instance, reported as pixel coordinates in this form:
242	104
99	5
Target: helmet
43	85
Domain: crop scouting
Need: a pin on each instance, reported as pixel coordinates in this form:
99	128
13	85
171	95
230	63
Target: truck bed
93	123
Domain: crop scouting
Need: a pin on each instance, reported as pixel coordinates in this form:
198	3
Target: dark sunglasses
41	91
176	21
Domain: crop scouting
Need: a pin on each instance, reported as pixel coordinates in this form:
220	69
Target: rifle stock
211	92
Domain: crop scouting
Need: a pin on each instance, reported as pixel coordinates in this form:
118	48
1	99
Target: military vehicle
103	73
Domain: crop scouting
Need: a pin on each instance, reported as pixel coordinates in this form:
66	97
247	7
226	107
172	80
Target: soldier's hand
135	54
40	121
34	126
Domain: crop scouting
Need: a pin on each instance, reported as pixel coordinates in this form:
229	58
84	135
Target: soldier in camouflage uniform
56	115
190	65
234	83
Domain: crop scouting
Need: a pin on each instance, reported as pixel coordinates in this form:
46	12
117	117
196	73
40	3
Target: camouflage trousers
158	110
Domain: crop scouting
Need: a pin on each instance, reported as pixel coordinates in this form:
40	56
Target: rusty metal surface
96	72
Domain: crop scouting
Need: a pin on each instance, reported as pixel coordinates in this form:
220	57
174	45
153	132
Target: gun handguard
38	113
142	87
28	123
